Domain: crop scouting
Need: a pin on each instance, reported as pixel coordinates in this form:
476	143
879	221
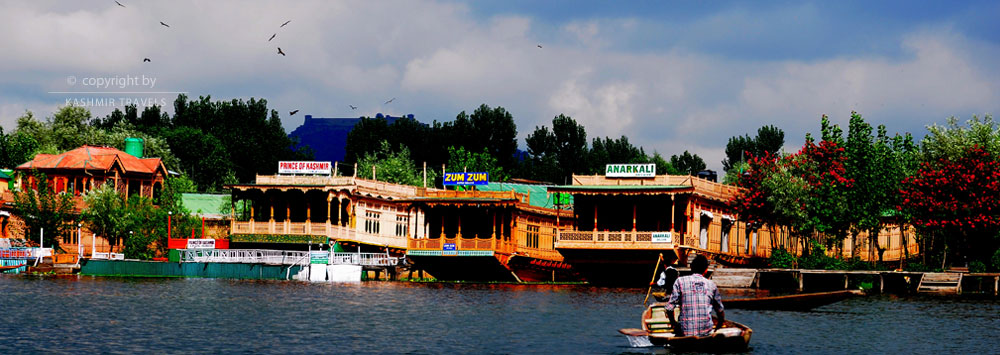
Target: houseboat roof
621	189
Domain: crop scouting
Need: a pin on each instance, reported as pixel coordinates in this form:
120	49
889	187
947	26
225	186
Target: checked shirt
696	296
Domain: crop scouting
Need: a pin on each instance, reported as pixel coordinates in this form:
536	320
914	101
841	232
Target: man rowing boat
697	297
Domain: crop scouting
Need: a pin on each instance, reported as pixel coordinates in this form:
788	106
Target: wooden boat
796	302
10	267
656	327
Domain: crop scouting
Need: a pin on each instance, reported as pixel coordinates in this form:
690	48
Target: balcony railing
614	240
321	229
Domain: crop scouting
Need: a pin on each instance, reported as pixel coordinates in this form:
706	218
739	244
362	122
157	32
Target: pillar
329	199
459	234
633	216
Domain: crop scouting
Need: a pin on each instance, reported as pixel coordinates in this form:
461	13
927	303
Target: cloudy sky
670	75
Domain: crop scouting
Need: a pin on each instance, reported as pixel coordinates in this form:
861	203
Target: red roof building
85	168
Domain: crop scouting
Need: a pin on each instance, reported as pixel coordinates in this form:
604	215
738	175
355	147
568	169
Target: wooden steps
946	283
734	278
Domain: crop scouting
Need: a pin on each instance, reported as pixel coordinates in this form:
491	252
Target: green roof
538	195
5	174
620	187
205	204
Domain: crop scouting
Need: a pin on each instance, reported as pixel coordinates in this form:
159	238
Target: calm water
86	315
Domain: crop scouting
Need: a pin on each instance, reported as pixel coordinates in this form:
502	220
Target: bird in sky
119	4
272	37
280	52
286	22
164	25
352	107
390	100
145	60
539	46
293	113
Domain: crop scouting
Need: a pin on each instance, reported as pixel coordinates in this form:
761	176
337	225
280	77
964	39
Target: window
532	237
402	226
372	222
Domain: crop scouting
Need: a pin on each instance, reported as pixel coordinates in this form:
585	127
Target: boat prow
795	302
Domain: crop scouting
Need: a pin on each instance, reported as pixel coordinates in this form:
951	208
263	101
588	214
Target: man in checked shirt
697	297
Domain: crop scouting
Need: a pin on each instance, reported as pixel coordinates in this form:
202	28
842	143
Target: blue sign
453	179
449	249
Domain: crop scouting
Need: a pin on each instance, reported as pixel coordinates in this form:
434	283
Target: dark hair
700	264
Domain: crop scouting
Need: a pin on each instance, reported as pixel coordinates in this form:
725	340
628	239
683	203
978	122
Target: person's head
699	265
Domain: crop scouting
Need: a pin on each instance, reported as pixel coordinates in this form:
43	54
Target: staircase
943	283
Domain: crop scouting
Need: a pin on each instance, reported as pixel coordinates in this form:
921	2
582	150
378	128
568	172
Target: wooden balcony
613	240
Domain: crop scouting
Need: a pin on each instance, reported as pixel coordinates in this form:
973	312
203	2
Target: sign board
662	237
466	179
305	167
319	257
449	249
201	243
16	254
630	170
117	256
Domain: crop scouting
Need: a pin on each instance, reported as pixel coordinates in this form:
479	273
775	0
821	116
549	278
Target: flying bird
353	107
286	22
390	100
293	113
145	60
539	46
164	25
119	4
272	37
280	52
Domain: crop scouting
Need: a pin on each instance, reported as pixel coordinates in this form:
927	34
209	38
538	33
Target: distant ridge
328	136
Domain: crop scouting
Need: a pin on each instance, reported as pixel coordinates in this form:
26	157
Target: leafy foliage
687	163
958	197
469	161
44	209
393	166
769	140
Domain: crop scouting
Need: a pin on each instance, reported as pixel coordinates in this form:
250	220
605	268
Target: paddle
657	268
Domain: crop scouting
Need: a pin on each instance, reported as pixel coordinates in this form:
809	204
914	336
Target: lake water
108	315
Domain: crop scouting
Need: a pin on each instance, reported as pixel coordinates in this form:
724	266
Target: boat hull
732	337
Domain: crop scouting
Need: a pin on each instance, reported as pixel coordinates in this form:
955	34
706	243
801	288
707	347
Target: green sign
630	170
319	257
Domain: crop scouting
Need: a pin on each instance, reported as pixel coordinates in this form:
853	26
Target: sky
672	76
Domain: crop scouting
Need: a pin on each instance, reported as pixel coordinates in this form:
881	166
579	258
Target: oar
655	269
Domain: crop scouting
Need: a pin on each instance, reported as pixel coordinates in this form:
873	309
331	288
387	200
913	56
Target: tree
107	214
688	163
44	209
366	137
570	145
392	166
203	159
769	139
16	148
464	160
494	130
957	198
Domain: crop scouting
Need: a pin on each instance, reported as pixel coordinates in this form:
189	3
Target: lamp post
169	214
79	241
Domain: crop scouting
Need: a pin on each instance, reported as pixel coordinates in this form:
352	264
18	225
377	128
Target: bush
996	260
781	258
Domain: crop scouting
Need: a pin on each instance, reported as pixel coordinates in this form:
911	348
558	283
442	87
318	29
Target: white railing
244	256
363	259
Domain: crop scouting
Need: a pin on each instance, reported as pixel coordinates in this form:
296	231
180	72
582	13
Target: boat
732	337
10	267
795	302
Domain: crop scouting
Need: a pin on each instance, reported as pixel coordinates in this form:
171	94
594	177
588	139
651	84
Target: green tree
204	158
44	209
464	160
393	166
366	137
570	145
688	163
107	214
769	139
16	148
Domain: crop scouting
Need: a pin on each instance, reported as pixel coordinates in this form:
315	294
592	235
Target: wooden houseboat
500	232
